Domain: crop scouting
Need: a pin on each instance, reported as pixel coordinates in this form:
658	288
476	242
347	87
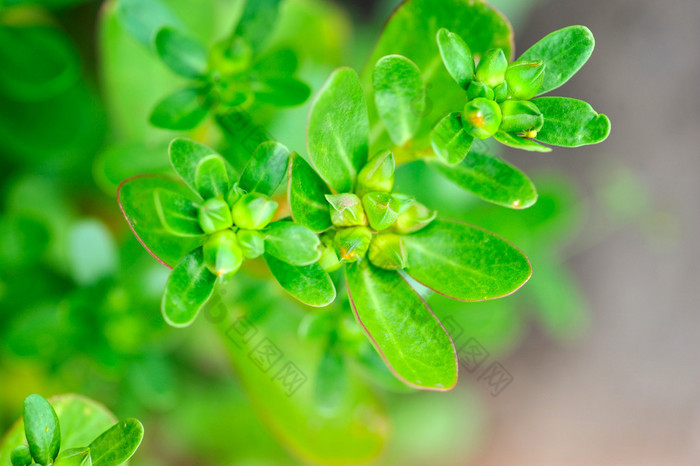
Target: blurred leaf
185	109
74	457
338	130
124	160
491	179
402	328
399	94
266	168
23	238
310	284
181	53
92	252
189	287
564	52
143	20
257	20
282	92
465	262
331	381
570	122
292	243
307	196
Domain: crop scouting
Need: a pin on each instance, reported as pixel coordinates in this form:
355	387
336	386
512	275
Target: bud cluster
371	221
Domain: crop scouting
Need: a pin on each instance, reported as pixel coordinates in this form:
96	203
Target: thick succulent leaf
292	243
181	53
307	196
399	94
257	21
189	287
81	420
456	56
310	284
282	91
450	141
266	168
118	444
564	52
517	142
211	177
143	20
182	110
570	122
402	328
137	201
491	179
177	213
185	156
42	429
338	130
412	31
465	262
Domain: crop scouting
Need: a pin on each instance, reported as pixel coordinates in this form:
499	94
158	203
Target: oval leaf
399	94
310	284
517	142
338	130
185	156
189	287
257	20
292	243
570	122
457	57
564	52
185	109
307	196
177	213
402	328
42	429
117	444
137	201
465	262
211	177
266	168
283	92
182	54
491	179
450	141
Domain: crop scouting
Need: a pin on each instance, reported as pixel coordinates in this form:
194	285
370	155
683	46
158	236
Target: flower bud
478	89
524	79
329	257
492	67
520	116
352	243
383	208
377	175
253	211
481	118
222	253
500	92
346	210
416	217
21	456
214	215
251	242
229	58
387	251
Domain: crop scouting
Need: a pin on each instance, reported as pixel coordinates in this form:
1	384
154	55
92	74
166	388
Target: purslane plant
42	432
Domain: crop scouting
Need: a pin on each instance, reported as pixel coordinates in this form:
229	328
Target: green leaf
564	52
282	91
491	179
570	122
181	53
257	21
185	156
74	457
331	381
465	262
338	130
517	142
292	243
399	94
137	202
307	196
42	429
189	287
185	109
457	57
402	328
143	20
211	177
117	444
177	213
310	284
450	141
266	168
21	456
92	252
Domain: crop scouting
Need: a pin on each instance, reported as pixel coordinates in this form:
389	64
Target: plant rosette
380	238
207	224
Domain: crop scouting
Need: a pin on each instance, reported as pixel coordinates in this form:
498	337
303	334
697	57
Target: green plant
46	444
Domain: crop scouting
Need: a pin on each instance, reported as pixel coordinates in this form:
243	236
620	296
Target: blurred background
601	345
